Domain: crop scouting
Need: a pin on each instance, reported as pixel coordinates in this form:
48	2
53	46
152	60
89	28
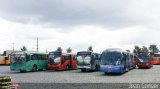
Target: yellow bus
5	58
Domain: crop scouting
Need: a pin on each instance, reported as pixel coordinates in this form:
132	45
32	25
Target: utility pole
37	44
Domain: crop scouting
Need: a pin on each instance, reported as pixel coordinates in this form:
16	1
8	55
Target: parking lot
76	76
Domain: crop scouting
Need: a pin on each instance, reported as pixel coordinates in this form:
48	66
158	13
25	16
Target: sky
79	24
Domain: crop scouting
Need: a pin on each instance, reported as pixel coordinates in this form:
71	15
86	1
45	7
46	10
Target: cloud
62	13
78	24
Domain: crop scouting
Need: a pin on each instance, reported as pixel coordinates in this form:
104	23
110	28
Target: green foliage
137	50
69	50
90	48
128	50
24	48
144	50
59	49
153	49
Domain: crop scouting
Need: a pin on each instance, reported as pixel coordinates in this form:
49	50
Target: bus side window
27	58
33	57
93	58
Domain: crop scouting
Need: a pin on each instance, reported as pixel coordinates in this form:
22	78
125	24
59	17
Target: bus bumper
17	67
113	69
84	67
54	66
146	65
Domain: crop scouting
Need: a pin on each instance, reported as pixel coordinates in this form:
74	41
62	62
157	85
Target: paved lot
76	76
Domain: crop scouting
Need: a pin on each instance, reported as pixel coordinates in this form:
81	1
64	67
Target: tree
59	49
144	50
153	49
137	50
69	50
90	48
24	48
128	50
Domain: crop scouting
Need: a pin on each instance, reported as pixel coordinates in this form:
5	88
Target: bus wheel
97	68
34	68
22	71
127	69
67	67
83	70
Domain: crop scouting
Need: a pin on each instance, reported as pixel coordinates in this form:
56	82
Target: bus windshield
143	58
110	58
17	58
81	57
54	58
156	55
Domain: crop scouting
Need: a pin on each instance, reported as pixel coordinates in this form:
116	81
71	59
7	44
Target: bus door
70	61
124	61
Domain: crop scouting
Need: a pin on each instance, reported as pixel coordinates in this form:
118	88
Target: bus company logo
109	66
144	86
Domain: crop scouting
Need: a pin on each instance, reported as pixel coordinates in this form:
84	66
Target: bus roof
113	50
69	54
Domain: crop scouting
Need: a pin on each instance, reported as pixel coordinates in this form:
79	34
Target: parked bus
5	58
28	61
88	61
156	59
143	61
116	60
61	61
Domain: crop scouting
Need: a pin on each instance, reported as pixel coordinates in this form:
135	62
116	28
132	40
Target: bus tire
127	69
22	71
5	82
34	68
83	70
97	68
67	67
105	73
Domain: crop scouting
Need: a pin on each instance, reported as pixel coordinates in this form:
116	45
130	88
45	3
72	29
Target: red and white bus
156	59
61	61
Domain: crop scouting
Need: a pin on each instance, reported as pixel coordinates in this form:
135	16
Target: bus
88	61
156	59
115	60
5	58
28	61
143	61
61	61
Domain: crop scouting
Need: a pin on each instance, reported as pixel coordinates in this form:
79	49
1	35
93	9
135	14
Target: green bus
28	61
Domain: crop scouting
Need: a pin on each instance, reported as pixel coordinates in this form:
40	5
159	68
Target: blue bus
115	60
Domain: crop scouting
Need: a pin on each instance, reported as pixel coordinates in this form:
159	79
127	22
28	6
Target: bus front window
84	59
111	58
54	59
143	58
18	59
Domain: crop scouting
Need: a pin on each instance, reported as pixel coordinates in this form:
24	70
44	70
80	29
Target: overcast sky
79	24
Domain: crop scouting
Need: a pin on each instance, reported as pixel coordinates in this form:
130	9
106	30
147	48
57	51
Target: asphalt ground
72	77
